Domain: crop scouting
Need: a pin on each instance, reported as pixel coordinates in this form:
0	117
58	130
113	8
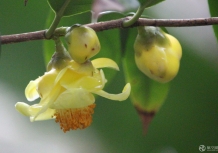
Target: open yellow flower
67	94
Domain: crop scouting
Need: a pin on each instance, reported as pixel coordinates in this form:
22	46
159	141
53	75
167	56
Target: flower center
74	118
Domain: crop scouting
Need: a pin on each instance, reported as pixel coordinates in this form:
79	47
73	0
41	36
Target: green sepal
60	58
149	35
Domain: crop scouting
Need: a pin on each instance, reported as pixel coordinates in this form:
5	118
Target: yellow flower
67	94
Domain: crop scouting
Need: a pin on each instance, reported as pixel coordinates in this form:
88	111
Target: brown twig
101	26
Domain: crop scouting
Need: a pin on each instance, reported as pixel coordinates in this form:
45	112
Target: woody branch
101	26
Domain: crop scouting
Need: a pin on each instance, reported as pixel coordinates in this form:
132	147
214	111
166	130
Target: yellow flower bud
157	54
82	43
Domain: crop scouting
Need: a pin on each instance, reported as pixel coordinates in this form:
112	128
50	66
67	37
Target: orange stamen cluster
74	118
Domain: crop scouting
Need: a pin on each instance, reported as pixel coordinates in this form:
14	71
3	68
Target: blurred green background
188	118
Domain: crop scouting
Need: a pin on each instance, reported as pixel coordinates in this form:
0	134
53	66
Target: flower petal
45	103
32	111
120	97
61	73
31	90
37	109
104	80
105	62
22	108
74	98
90	83
46	84
48	114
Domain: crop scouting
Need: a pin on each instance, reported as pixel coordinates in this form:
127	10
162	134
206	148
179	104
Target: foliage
73	8
213	11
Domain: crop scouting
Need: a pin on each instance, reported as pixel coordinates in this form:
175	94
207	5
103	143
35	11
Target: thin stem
57	18
107	25
137	15
59	45
128	23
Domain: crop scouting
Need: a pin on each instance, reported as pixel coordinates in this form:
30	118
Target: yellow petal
90	83
22	108
70	78
61	73
46	102
120	97
36	110
46	84
31	90
105	62
73	98
31	111
104	80
28	110
48	114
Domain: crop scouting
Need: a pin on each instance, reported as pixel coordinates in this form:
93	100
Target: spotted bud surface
83	43
157	54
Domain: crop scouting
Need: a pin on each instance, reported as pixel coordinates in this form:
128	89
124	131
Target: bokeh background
188	118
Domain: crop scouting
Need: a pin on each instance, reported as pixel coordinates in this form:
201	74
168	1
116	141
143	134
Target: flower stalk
57	18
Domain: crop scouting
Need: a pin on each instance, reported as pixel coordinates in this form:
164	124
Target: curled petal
104	80
105	62
32	111
28	110
22	108
73	98
31	90
120	97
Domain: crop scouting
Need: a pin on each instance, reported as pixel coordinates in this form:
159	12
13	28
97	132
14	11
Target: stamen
74	118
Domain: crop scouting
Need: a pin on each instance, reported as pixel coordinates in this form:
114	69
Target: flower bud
82	43
157	54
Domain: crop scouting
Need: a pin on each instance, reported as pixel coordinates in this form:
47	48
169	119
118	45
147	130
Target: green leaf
73	8
110	15
213	4
147	95
149	3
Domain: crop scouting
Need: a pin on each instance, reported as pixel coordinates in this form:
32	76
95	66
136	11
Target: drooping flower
67	94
